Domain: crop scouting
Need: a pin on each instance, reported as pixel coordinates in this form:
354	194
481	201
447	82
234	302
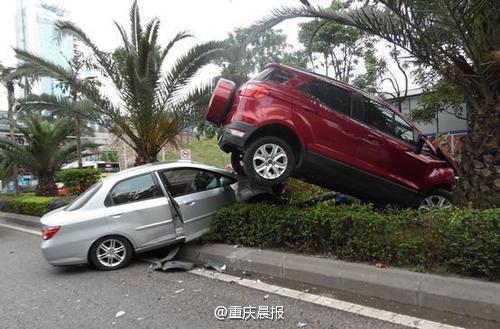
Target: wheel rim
270	161
435	202
111	252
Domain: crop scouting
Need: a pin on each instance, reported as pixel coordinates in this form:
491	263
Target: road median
463	296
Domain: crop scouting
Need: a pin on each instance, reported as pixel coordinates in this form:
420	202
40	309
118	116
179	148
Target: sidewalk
463	296
25	220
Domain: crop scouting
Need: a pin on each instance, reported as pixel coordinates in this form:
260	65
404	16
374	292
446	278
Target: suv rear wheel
269	161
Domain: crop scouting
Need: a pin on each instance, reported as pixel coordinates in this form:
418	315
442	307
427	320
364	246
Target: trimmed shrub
59	202
78	180
30	204
463	241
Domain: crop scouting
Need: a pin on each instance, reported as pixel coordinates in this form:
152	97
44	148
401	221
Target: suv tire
237	162
439	198
269	161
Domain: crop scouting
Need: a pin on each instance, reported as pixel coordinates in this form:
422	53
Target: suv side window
134	189
186	181
332	96
274	74
379	116
402	130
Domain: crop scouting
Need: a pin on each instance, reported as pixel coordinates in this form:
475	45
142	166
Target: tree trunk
479	184
78	121
46	185
10	115
145	157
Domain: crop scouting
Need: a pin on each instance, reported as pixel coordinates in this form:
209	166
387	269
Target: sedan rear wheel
111	253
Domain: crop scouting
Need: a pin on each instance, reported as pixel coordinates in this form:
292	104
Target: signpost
185	154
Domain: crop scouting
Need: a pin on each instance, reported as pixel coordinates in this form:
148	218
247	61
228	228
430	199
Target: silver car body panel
147	224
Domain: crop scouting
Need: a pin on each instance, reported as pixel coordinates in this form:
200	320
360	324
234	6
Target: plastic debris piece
179	291
301	324
119	314
178	265
218	267
266	297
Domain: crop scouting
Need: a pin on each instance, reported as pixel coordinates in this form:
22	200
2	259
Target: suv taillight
254	91
49	232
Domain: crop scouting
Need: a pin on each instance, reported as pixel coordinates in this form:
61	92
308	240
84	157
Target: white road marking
22	229
370	312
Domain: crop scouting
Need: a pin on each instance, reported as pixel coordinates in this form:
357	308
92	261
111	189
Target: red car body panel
334	138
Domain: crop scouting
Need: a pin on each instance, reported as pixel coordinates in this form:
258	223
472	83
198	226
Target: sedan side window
134	189
332	96
187	181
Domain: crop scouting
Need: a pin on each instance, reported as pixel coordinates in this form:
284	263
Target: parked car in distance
140	209
291	122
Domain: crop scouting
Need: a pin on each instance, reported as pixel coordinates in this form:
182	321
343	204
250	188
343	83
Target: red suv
290	122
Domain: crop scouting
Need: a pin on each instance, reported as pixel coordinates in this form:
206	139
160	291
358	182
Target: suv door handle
375	139
189	202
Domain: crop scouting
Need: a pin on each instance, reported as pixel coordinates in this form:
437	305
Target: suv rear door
328	111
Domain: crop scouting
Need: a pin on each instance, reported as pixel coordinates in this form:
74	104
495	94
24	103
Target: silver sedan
140	209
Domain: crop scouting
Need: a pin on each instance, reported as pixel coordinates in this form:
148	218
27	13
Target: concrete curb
463	296
33	221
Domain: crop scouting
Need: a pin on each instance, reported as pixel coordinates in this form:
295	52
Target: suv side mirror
419	143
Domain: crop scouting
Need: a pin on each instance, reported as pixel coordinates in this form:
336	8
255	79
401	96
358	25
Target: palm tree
153	104
45	150
9	86
460	41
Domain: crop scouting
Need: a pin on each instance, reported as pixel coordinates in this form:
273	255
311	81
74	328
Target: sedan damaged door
199	193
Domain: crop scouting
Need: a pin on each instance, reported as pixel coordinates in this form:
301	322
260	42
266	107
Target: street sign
185	154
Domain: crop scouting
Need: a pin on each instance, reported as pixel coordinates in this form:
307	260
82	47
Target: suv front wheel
269	161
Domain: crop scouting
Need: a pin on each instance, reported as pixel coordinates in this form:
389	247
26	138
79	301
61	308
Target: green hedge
461	241
78	180
30	204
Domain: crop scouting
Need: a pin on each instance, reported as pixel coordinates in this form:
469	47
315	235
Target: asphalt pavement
33	294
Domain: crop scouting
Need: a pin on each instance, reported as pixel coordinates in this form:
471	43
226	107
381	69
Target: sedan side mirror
225	181
419	143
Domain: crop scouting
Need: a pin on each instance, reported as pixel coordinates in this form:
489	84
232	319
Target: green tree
9	85
459	40
45	150
153	104
247	53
